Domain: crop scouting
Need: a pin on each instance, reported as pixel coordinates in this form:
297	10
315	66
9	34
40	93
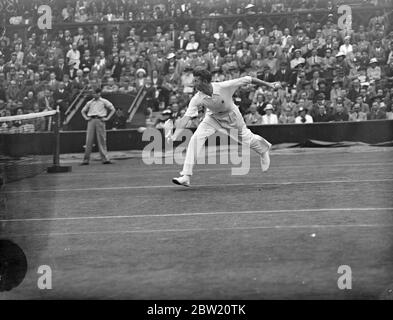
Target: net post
56	168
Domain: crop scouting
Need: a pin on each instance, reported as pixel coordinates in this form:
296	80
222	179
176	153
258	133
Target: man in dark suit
321	115
86	61
239	34
284	74
173	34
61	98
181	41
61	69
266	75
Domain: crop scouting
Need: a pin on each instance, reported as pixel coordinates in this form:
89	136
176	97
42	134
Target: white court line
197	186
278	168
277	227
196	214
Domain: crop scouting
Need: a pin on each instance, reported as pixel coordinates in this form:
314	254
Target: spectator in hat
165	115
303	117
297	60
140	75
374	71
253	117
269	117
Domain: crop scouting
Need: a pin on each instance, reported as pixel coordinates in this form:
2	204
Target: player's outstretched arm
258	82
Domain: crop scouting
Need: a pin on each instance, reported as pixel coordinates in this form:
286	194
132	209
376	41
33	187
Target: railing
75	106
136	103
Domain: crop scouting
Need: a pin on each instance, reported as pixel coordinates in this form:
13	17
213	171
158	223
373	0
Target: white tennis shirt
221	101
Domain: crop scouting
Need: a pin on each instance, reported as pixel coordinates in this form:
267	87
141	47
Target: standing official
96	113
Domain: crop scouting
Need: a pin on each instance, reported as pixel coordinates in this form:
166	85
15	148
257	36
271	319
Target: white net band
28	116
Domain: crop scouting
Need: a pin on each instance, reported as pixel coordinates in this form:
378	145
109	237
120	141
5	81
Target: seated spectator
119	119
253	117
373	113
110	87
81	15
303	117
340	114
140	78
192	45
73	57
165	115
287	116
297	60
39	123
29	101
187	80
381	114
322	115
269	117
357	114
61	97
374	71
389	115
267	74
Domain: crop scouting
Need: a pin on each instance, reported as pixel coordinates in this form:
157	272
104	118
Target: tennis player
221	115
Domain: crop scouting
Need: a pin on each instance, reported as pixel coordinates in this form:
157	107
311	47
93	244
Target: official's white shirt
221	101
269	119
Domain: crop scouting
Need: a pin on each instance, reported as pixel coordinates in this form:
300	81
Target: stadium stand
123	46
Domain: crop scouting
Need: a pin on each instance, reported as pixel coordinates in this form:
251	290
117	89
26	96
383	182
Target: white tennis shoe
265	159
182	181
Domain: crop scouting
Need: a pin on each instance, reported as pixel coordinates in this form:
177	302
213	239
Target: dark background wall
371	132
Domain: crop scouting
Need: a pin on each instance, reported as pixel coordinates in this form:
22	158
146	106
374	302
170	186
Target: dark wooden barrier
371	132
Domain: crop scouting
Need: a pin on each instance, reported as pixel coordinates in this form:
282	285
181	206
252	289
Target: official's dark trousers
96	127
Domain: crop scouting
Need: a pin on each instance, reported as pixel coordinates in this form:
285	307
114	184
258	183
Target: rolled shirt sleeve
233	85
86	107
108	105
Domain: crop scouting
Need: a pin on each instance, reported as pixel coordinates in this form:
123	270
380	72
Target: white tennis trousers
230	123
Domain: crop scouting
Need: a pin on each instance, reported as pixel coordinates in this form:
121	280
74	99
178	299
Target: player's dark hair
203	74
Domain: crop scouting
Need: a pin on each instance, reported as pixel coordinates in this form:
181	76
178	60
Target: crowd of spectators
327	74
80	11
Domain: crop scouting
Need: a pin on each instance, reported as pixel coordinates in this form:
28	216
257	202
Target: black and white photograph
210	151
